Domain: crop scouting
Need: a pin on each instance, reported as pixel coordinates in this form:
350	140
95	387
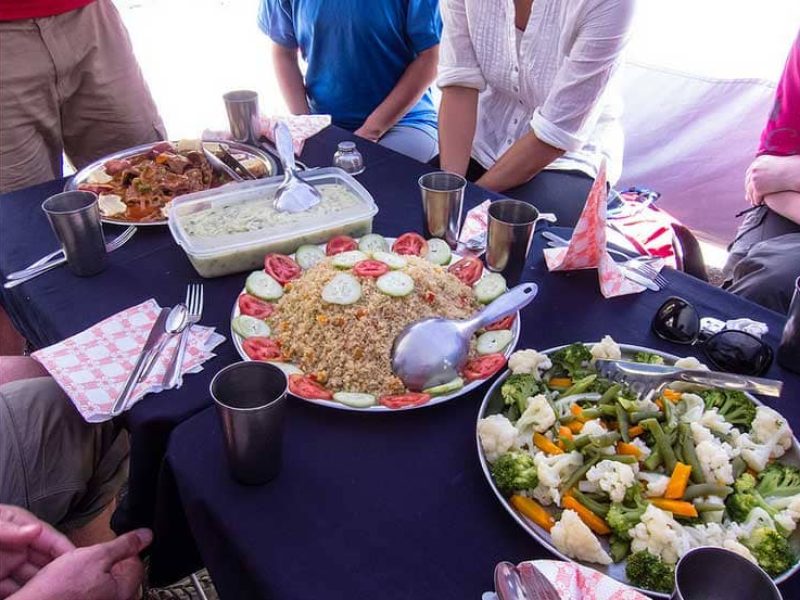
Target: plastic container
230	229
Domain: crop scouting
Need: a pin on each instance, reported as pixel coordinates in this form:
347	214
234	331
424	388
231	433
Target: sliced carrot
534	511
676	507
595	523
560	383
575	426
546	445
660	404
629	449
565	432
635	430
678	481
672	395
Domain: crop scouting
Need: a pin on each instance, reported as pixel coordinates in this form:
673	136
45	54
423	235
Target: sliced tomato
281	268
370	268
305	386
483	366
468	270
339	244
395	401
261	348
504	323
410	243
255	307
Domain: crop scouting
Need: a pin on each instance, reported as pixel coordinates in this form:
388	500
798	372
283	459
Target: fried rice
347	348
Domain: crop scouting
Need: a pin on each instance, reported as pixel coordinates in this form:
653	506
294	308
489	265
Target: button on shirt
558	77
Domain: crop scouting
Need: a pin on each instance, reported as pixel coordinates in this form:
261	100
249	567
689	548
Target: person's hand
770	174
108	571
369	132
26	545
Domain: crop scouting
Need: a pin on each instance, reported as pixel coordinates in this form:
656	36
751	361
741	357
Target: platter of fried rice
328	315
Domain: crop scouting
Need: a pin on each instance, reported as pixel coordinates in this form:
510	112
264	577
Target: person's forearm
519	164
417	78
786	204
458	114
290	79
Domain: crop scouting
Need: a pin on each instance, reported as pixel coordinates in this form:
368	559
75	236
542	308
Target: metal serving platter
238	150
493	403
515	331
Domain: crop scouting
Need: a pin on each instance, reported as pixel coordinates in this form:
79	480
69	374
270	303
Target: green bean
706	507
581	441
569	445
590	413
662	442
598	508
610	395
580	472
579	386
621	458
669	410
566	419
607	410
686	444
623	423
651	462
641	415
605	440
701	490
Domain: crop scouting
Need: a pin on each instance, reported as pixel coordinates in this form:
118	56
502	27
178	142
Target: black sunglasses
734	351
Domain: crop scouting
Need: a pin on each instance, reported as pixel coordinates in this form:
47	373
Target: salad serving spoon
294	194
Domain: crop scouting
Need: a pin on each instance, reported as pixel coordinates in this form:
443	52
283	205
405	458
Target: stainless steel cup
75	219
251	402
708	573
442	201
789	350
242	108
509	236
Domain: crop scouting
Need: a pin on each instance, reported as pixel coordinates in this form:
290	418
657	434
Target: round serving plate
515	331
238	150
493	403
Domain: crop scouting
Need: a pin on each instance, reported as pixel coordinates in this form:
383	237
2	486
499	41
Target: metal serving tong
643	378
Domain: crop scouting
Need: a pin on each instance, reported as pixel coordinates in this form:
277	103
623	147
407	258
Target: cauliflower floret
790	515
574	538
596	427
660	535
736	546
690	362
552	470
644	451
769	427
538	416
714	456
656	483
646	403
497	435
754	454
714	534
529	361
606	348
714	421
612	477
694	407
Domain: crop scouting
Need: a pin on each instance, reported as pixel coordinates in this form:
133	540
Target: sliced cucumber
347	260
263	286
287	368
438	252
490	342
354	399
342	289
395	283
493	285
445	388
393	261
308	255
372	242
247	326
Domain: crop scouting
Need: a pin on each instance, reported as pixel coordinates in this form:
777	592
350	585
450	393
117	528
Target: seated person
370	66
533	114
765	256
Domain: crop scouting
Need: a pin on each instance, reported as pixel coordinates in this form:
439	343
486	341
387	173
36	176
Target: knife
152	339
640	279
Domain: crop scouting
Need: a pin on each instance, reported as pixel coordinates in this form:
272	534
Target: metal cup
509	236
75	219
251	402
708	573
789	350
442	201
242	108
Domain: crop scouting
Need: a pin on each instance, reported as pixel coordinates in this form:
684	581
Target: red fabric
13	10
781	136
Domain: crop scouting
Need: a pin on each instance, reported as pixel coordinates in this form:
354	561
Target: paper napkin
476	222
301	127
587	247
93	366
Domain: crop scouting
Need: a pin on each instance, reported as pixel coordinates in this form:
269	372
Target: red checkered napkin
587	247
93	366
576	582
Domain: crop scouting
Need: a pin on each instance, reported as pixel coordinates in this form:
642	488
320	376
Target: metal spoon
294	194
177	320
507	582
431	352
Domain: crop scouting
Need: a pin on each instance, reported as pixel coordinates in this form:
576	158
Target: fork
194	302
647	270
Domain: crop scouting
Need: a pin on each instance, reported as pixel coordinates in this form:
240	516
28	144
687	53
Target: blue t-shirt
356	51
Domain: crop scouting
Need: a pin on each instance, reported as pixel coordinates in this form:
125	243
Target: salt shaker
348	158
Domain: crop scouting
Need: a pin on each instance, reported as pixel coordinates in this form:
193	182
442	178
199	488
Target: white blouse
561	82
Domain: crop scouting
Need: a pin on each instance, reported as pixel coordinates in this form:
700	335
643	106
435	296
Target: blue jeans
419	142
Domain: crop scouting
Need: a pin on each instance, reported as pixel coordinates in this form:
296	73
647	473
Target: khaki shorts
52	462
69	84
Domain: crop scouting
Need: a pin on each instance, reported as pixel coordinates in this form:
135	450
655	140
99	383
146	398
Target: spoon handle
283	142
513	300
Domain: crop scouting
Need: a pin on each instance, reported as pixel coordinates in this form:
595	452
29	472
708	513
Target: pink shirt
781	136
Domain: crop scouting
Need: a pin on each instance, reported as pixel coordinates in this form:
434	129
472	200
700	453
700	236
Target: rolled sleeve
552	134
275	19
423	24
458	64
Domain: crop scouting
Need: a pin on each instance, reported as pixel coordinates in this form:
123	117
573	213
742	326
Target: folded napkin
576	582
587	247
93	366
301	127
476	222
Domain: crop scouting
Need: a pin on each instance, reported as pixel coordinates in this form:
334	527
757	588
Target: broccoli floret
736	408
517	389
623	516
514	471
570	361
648	357
745	498
618	548
772	551
778	480
646	571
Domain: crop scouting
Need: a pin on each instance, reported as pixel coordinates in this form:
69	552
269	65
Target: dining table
367	505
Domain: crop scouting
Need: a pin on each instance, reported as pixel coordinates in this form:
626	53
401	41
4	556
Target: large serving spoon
432	351
294	194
